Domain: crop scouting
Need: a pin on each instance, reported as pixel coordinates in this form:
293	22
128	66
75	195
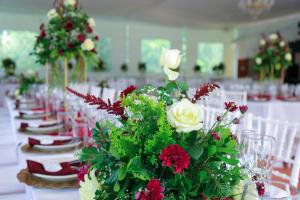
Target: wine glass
270	190
257	155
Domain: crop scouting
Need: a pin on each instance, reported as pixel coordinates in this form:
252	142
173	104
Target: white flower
288	56
91	22
30	72
39	49
89	187
52	13
185	116
262	42
282	44
170	60
87	45
273	36
69	2
258	60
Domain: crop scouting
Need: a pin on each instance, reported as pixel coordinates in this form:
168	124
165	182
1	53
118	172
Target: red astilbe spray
114	108
127	91
204	90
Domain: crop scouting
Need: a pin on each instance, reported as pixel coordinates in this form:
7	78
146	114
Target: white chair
95	91
285	135
108	93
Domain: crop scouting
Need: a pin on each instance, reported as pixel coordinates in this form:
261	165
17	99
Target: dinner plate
31	112
47	122
53	165
71	144
45	129
35	116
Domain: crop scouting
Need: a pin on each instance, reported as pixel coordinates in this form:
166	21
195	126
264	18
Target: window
150	53
17	45
210	55
104	49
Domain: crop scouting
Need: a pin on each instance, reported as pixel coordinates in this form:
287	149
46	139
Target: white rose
258	60
89	187
69	2
262	42
282	44
273	36
185	116
91	22
170	60
288	56
88	44
52	13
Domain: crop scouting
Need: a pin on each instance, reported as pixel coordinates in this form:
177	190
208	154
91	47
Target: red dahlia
175	156
96	37
69	26
153	191
230	106
42	34
81	37
89	29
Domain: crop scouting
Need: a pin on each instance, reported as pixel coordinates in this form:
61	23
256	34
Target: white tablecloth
277	110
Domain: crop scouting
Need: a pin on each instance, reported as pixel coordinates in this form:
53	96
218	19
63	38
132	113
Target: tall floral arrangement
159	148
68	34
274	56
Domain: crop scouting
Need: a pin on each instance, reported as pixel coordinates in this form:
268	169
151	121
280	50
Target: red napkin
38	109
24	125
32	142
38	168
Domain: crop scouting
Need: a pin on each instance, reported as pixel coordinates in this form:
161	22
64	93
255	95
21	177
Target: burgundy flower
96	37
81	37
94	50
153	191
216	136
219	118
42	34
127	91
42	26
83	171
68	26
89	29
174	156
60	52
260	188
204	90
71	46
230	106
243	109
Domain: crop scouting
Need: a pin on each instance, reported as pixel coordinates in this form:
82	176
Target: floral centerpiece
67	35
274	56
159	148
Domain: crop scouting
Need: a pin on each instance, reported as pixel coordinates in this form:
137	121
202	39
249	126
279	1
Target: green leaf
229	161
202	176
212	149
136	168
116	187
195	151
113	178
228	150
122	172
182	86
113	152
170	87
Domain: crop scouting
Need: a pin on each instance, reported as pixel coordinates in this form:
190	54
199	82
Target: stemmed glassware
257	154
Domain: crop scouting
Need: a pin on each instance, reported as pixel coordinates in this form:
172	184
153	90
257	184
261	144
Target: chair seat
9	183
283	174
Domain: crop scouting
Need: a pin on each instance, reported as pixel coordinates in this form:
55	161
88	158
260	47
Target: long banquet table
33	193
277	110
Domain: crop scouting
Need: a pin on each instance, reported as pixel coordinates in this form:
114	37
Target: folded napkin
32	142
67	168
24	125
38	109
